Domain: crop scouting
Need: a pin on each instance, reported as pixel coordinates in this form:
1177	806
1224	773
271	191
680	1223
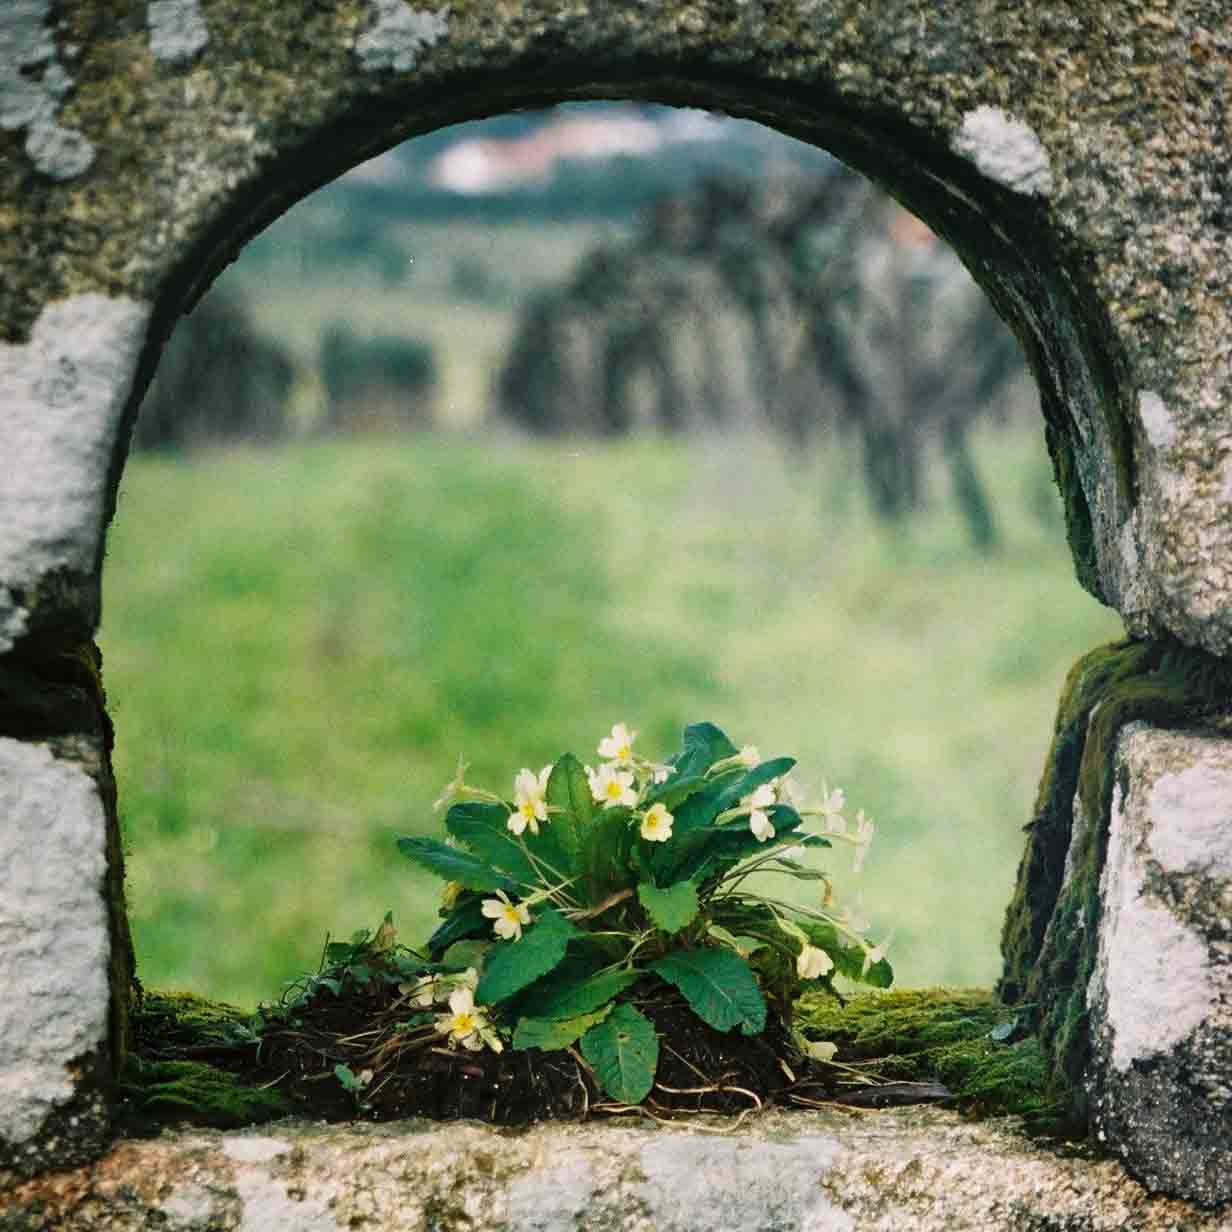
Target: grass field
299	644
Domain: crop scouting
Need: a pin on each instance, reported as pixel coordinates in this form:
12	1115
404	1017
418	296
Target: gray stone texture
825	1171
1074	152
1161	992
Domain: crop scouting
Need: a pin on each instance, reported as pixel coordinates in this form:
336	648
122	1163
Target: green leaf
604	857
484	829
549	1033
672	908
452	864
719	987
848	956
623	1050
549	848
349	1079
746	784
569	789
704	744
514	964
568	999
744	945
712	851
674	792
700	808
879	974
465	920
469	953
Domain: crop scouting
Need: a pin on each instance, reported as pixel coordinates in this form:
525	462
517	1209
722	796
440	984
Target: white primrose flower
830	810
612	786
874	954
759	820
761	825
749	756
660	773
862	837
761	798
530	806
790	792
864	829
425	992
466	1023
619	745
510	918
657	824
812	963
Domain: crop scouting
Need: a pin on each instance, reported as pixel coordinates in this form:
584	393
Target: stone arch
1071	154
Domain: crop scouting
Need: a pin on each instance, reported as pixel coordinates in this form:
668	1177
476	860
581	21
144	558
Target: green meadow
300	643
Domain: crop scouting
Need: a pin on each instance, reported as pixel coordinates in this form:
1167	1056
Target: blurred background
604	413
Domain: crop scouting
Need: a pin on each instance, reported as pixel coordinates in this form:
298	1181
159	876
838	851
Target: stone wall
826	1171
1072	151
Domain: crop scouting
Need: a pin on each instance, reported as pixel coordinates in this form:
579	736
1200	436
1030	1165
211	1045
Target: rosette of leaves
616	919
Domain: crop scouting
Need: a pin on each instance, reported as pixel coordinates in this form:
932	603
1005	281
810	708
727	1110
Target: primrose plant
598	894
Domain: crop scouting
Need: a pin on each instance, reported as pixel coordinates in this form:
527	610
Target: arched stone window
1072	155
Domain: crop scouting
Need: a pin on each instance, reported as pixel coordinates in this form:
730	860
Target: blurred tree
812	306
218	380
376	383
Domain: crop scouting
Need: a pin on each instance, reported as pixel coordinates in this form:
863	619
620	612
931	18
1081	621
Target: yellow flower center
463	1023
614	790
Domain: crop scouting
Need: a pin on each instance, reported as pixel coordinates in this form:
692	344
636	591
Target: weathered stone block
56	946
825	1171
1160	996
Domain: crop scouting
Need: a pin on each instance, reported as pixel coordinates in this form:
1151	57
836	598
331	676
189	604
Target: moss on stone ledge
1050	936
946	1035
156	1093
177	1071
187	1045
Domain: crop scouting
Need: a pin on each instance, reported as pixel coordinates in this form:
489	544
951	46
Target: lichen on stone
1005	150
32	84
177	30
398	34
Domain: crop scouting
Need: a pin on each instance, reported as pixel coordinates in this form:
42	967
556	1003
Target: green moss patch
203	1063
179	1068
964	1039
1050	935
156	1093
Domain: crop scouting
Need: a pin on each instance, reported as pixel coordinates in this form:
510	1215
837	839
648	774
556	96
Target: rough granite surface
1161	991
53	933
64	391
825	1171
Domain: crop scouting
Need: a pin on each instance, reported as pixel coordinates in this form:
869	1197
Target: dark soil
412	1072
